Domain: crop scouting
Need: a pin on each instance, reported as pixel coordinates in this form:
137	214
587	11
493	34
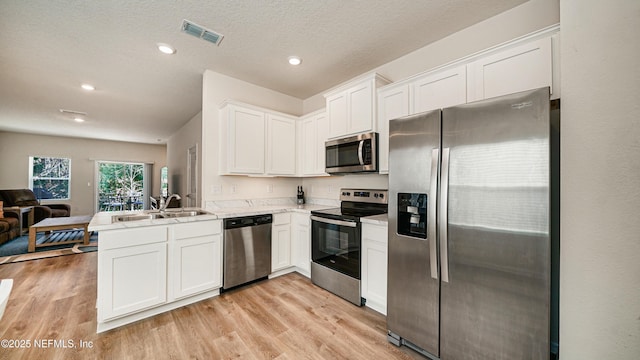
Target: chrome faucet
164	203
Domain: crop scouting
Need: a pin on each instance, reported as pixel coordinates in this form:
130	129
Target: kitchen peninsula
153	265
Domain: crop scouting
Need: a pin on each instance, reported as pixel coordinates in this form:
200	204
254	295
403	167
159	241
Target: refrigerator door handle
444	207
433	244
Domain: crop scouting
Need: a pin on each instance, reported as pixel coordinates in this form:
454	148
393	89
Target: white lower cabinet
301	243
281	242
195	258
145	271
132	271
374	266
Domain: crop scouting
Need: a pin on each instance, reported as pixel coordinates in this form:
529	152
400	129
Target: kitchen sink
184	213
158	215
133	217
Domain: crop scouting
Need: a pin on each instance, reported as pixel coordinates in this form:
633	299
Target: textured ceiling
50	47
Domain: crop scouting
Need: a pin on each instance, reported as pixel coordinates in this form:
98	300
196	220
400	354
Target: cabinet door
313	136
133	278
439	90
309	147
392	103
337	114
360	108
301	244
196	263
246	141
322	134
281	242
281	145
374	266
525	67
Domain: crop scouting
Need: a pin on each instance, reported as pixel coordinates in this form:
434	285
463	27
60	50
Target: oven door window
337	247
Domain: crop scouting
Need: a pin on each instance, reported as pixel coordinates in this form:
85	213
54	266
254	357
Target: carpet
16	250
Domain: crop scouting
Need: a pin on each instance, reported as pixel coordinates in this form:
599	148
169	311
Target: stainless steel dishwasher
247	249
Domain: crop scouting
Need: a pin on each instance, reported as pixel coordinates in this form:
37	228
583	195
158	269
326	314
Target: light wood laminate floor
51	315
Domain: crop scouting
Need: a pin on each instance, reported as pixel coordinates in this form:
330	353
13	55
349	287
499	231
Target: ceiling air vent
201	32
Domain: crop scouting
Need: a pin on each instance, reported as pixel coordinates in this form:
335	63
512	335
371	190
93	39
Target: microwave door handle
334	222
360	146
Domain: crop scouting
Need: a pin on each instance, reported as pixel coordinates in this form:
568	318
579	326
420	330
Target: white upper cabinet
242	137
423	93
281	145
393	102
524	67
439	90
518	66
256	141
312	135
351	109
337	114
360	102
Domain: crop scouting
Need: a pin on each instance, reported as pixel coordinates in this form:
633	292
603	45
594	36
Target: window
50	178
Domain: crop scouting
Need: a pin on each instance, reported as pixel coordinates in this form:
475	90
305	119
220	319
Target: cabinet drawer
375	232
281	219
114	239
199	228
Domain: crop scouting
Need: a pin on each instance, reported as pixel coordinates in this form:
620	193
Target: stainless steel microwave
353	154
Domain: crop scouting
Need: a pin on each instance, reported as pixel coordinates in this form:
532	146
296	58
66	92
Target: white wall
16	148
600	191
178	147
216	89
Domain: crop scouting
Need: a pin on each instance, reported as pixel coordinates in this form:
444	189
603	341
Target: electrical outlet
270	188
216	189
233	188
330	189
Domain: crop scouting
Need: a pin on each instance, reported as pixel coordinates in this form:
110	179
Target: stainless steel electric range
336	241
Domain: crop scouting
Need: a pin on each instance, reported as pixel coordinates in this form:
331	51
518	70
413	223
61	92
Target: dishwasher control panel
244	221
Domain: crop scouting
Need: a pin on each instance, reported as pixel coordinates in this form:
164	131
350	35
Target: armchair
26	197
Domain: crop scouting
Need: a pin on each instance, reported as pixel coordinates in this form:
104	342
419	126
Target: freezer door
496	245
413	278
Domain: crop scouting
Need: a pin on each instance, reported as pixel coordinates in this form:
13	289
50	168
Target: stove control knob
375	195
381	196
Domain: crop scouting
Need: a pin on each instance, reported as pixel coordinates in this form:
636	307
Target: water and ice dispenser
412	215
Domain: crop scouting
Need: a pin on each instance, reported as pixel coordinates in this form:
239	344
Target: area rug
16	250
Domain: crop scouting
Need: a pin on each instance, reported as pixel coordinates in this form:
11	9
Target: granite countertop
381	219
226	213
103	220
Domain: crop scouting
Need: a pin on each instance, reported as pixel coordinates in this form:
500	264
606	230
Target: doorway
192	176
122	186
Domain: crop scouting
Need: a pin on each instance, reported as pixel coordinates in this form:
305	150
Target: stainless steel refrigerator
470	228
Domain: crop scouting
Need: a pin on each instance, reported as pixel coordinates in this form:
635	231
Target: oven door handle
334	222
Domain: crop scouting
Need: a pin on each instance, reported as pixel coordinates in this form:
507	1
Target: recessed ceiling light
88	87
166	49
294	60
78	120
